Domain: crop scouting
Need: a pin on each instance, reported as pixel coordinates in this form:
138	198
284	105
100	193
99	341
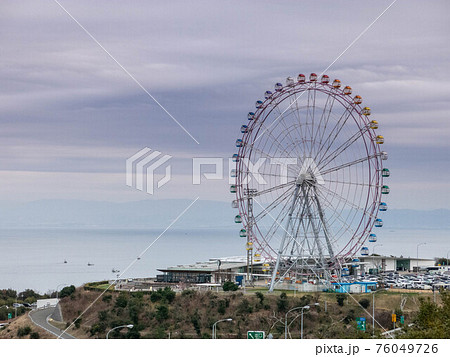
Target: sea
34	258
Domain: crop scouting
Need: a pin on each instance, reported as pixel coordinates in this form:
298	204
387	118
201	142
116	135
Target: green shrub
244	307
67	291
282	303
365	303
340	298
162	313
107	298
35	335
260	296
23	331
168	294
222	307
229	286
122	300
103	315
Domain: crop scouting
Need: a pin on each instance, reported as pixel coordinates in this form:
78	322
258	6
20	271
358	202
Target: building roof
212	265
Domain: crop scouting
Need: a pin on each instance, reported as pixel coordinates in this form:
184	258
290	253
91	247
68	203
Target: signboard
361	323
402	319
256	335
394	318
9	315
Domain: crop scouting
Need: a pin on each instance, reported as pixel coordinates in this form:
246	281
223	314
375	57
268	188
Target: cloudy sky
71	116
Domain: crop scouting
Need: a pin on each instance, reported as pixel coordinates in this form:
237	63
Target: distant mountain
160	213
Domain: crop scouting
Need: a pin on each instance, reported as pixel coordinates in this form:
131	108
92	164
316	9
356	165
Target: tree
162	313
67	291
122	300
340	298
229	286
260	296
365	303
432	320
282	303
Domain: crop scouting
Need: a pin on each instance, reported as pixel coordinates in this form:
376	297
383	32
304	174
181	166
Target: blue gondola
258	104
244	129
364	251
278	87
239	143
250	116
378	222
267	94
372	238
235	158
383	206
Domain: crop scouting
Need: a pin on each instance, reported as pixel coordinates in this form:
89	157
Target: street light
214	327
307	307
57	288
418	245
130	326
373	254
447	258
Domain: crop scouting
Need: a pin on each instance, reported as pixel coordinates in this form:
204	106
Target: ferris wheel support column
315	230
325	227
286	230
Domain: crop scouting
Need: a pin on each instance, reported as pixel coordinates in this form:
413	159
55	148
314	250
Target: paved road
40	317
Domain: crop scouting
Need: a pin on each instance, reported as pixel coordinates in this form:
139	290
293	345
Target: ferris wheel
309	178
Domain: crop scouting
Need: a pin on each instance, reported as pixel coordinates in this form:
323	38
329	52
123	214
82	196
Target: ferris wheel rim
372	198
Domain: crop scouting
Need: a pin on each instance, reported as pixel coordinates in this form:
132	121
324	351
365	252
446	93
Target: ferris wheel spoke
321	119
274	188
353	183
275	141
334	133
283	197
348	164
297	147
339	197
326	121
339	217
278	224
331	156
312	119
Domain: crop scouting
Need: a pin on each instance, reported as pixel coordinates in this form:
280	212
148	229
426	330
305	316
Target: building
45	303
356	287
213	271
382	263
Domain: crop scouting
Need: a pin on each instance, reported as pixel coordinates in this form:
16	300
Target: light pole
130	326
214	327
418	245
373	313
307	307
57	291
373	254
447	258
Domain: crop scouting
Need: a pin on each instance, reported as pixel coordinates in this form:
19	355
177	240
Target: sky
70	116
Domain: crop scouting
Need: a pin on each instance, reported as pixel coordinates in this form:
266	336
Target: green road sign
402	319
9	315
361	323
256	335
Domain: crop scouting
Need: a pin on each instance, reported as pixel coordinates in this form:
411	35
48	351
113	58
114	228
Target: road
40	318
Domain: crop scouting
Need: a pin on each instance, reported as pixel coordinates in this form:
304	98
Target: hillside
191	314
23	328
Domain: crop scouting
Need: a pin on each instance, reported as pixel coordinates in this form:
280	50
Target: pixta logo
140	170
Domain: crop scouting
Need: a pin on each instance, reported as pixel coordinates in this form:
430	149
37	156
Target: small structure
45	303
357	287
